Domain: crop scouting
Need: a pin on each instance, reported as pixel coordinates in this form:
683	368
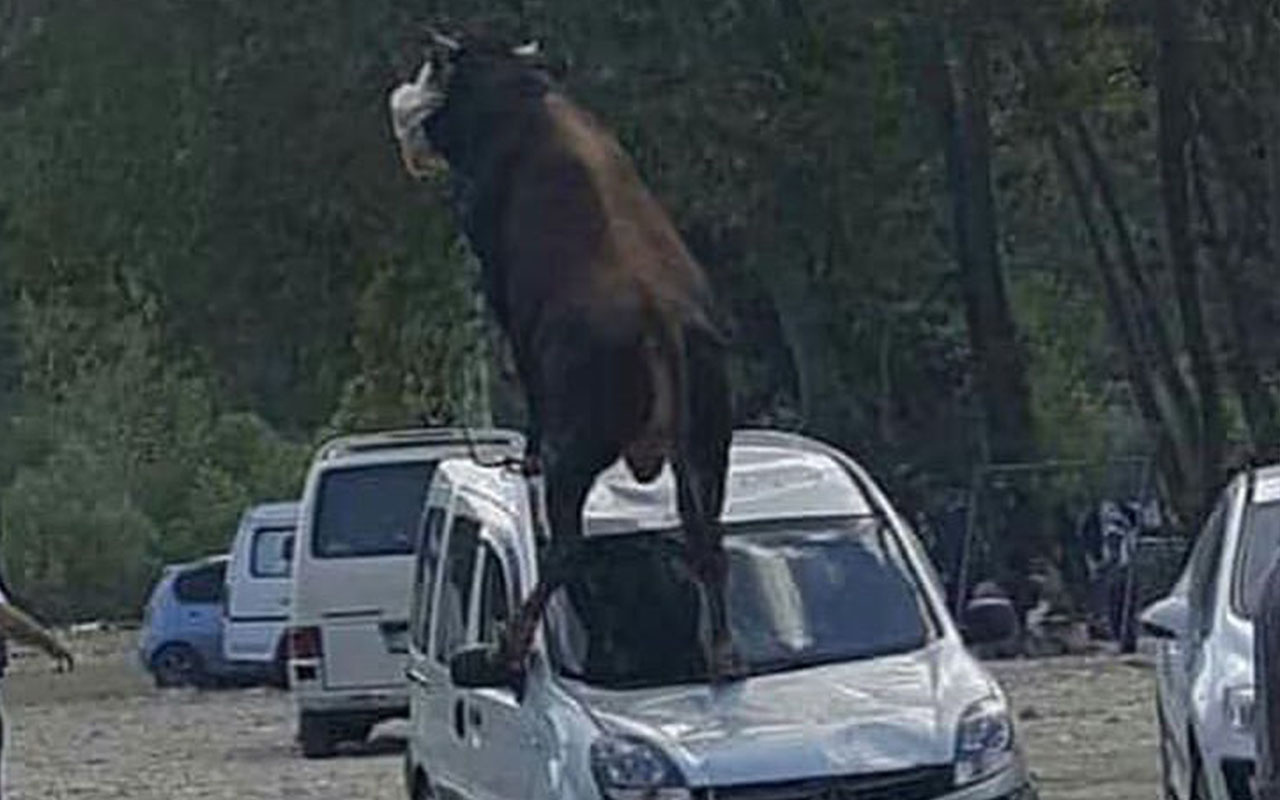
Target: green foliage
210	256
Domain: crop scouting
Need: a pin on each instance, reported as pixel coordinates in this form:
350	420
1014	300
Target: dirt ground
103	732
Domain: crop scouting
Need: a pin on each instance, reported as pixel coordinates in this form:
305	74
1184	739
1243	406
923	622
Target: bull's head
413	104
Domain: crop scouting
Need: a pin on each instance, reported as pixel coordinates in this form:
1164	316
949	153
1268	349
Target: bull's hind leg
569	474
700	476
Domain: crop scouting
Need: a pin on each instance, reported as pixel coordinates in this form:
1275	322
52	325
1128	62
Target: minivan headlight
626	768
1240	708
984	741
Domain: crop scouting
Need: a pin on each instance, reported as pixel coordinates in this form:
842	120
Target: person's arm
18	624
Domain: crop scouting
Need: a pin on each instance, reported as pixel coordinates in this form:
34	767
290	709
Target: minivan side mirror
479	667
1169	618
989	620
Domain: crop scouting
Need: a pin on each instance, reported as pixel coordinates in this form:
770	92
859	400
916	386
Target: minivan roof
1266	484
772	476
282	511
368	443
199	562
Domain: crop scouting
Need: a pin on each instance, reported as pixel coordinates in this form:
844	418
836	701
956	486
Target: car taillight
305	643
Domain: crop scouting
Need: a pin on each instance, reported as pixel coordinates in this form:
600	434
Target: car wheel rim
175	665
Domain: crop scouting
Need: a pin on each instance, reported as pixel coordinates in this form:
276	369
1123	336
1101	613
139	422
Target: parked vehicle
256	599
353	563
857	682
181	639
1204	665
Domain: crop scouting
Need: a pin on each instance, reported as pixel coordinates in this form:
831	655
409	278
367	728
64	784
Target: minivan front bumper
1012	784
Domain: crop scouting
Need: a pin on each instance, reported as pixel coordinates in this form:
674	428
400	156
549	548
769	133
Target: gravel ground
103	732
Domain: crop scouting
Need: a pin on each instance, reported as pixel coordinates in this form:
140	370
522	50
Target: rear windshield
370	511
1261	538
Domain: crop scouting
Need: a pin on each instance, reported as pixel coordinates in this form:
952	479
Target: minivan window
370	511
800	594
1204	566
270	553
455	588
429	542
495	599
1260	542
203	585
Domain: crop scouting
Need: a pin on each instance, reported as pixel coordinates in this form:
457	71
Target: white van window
429	542
800	594
370	511
270	553
455	588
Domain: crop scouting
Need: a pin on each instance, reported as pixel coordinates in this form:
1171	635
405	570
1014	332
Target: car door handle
417	676
459	719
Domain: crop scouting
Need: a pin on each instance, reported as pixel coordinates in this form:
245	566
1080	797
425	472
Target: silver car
1204	664
858	683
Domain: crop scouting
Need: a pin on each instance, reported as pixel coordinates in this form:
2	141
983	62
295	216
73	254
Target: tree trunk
1174	141
960	102
1260	413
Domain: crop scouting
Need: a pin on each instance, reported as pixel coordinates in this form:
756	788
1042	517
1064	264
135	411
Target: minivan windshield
1261	538
370	511
800	594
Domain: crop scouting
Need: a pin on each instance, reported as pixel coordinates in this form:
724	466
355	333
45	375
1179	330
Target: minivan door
510	741
437	709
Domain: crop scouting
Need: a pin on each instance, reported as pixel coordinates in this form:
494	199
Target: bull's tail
703	422
689	418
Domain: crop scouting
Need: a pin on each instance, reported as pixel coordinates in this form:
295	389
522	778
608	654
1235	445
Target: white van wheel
422	788
317	736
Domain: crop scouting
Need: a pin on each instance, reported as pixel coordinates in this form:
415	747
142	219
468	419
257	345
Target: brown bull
609	317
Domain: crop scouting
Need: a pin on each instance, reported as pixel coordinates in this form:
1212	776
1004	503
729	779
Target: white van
857	681
256	601
352	569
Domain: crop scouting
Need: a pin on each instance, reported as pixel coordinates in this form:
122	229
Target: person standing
17	624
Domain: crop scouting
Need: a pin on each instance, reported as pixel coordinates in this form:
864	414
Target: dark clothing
1266	660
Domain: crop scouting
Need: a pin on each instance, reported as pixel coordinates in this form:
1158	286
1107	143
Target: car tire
317	736
1162	730
1199	783
421	788
177	665
278	677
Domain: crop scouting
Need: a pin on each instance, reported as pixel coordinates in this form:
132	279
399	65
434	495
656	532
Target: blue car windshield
800	594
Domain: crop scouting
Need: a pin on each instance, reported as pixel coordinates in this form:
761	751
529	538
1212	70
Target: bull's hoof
726	666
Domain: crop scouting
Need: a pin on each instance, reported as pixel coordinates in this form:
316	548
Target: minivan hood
879	715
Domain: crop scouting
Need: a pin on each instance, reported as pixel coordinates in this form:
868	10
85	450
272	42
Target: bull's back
581	224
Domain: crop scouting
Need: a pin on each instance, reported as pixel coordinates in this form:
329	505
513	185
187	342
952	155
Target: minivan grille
923	783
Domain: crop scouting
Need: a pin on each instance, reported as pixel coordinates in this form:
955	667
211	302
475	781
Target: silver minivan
857	683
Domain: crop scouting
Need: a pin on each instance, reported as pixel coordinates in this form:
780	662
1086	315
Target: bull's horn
447	42
528	50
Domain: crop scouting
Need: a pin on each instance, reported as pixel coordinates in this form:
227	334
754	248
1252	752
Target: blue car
181	640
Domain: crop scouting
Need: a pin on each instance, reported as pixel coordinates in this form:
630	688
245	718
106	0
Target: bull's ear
528	50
